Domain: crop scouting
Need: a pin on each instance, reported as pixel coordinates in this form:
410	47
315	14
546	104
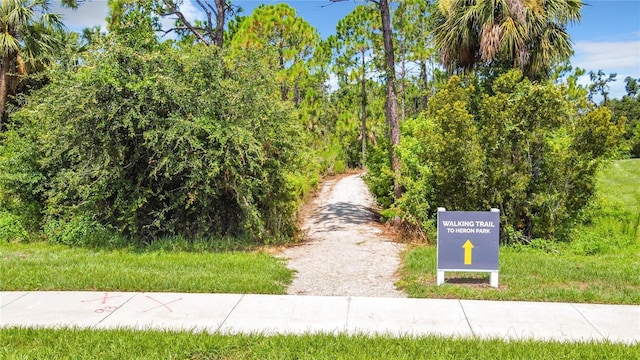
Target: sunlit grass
620	183
599	266
41	266
124	344
531	275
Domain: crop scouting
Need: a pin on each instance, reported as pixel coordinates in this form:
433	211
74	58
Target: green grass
615	216
41	266
547	272
531	275
599	266
123	344
619	183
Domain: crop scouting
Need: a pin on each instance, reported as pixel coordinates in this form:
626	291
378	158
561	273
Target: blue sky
607	37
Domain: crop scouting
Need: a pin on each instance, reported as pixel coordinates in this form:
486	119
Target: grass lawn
607	274
620	183
532	275
41	266
124	344
599	266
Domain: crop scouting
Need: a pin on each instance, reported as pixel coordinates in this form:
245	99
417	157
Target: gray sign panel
468	240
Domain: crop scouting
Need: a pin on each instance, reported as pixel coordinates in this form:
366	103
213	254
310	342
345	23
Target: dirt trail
345	252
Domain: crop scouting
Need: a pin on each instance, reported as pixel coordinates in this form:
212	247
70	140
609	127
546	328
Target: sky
606	38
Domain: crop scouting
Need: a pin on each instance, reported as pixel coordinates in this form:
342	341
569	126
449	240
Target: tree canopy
529	35
27	41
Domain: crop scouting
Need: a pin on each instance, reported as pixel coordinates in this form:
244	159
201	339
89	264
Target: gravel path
345	253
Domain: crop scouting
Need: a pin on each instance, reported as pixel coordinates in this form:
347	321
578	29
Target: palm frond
514	39
8	44
490	41
516	10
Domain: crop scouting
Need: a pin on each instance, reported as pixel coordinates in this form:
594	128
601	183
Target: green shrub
634	141
610	228
339	166
379	176
160	142
522	147
331	159
11	228
626	112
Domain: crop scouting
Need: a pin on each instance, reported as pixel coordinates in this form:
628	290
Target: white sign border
493	279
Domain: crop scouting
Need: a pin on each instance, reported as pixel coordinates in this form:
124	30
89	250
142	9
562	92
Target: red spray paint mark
162	304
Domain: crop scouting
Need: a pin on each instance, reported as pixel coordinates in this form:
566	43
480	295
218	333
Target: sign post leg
440	278
494	279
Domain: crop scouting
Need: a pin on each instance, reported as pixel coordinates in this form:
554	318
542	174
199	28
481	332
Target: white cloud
91	13
620	57
332	83
94	12
190	12
608	55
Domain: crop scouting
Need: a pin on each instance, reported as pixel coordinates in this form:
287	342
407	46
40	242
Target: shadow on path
341	215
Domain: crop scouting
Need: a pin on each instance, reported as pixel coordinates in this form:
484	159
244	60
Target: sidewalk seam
229	314
346	323
588	322
16	299
112	312
473	334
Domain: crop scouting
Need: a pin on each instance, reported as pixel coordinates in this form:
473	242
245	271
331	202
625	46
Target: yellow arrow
468	246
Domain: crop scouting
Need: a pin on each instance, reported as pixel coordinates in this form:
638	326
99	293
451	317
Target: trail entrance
345	252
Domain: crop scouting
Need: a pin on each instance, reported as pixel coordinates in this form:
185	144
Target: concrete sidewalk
282	314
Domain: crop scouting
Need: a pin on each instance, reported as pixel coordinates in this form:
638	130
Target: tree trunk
364	111
4	86
284	90
391	106
220	17
297	94
322	110
424	85
403	75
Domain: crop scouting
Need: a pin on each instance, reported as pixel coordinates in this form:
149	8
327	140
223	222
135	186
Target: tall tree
318	90
391	105
391	108
411	24
357	36
631	86
134	20
27	36
600	85
209	31
278	28
526	34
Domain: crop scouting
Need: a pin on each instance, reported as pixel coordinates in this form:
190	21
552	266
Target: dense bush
627	111
156	143
522	147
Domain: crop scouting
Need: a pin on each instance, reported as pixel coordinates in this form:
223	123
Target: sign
468	241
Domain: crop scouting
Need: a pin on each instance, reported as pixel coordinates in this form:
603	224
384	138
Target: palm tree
526	34
27	34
